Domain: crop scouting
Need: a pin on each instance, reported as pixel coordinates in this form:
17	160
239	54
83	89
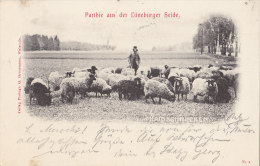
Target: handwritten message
181	142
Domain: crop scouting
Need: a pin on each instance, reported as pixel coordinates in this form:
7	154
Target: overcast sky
68	21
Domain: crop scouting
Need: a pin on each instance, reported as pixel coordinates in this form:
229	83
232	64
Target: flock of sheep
210	82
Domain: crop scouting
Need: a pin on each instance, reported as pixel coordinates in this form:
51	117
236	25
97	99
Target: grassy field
41	64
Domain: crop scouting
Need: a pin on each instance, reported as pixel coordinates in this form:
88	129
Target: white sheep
165	81
174	72
108	70
204	87
54	80
128	71
190	74
181	86
103	75
204	73
154	88
71	86
100	85
81	74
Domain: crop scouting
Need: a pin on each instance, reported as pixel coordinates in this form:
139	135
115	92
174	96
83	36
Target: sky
67	20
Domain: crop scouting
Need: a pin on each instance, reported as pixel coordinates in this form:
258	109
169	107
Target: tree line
215	34
38	42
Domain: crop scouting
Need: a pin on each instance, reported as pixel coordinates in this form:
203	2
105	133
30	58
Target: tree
56	43
215	32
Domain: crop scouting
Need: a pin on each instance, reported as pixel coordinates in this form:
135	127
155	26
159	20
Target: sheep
213	68
204	73
68	92
204	87
190	74
118	70
223	94
40	91
73	85
100	85
68	74
113	80
195	68
81	74
54	80
232	77
128	71
165	81
143	80
181	86
126	87
108	70
154	72
226	67
173	74
154	88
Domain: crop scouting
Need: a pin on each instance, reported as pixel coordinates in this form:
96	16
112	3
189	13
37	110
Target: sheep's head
210	65
211	84
170	96
107	90
138	82
90	79
166	67
28	84
149	74
178	84
217	74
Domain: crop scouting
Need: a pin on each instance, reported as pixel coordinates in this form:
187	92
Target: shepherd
134	59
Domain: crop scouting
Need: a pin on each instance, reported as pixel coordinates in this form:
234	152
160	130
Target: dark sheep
126	87
118	70
233	82
210	65
195	69
212	90
155	72
227	67
107	92
223	94
41	93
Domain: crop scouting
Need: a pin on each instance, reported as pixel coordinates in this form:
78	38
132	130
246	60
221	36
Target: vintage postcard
120	82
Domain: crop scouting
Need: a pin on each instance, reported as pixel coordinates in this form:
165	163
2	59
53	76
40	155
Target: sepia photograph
129	82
